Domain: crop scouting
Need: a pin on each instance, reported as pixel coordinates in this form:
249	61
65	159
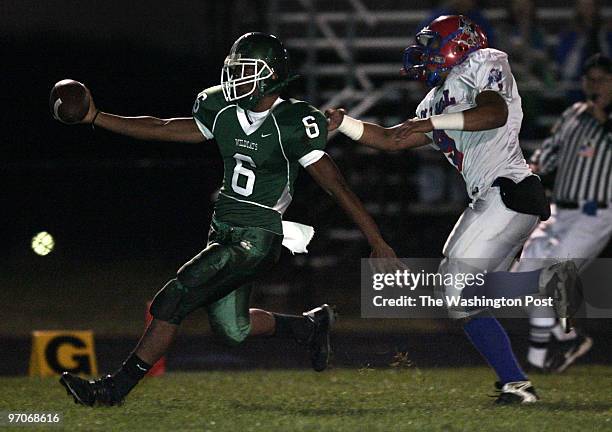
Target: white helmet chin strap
234	76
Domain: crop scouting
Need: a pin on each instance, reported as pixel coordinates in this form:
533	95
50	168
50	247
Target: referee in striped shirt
580	151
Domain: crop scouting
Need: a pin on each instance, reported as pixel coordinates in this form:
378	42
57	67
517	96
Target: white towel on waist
296	236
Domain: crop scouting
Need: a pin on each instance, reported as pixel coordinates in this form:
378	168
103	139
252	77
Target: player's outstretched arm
490	112
373	135
182	129
328	176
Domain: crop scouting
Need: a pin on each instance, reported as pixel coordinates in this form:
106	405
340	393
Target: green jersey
261	155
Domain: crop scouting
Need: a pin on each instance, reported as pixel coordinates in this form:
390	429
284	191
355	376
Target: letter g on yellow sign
62	350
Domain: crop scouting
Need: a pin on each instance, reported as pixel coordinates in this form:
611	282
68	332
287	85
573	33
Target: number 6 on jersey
312	129
239	170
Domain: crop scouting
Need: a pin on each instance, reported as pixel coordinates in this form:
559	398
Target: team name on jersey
246	144
445	143
440	106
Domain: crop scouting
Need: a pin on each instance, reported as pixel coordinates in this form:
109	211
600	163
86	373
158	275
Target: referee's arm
545	159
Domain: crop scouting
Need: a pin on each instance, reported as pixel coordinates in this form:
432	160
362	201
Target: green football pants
220	279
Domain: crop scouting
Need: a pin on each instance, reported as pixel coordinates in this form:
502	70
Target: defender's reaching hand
412	126
334	118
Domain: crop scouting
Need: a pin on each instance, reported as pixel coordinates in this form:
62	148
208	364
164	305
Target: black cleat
322	319
101	391
561	282
562	354
519	392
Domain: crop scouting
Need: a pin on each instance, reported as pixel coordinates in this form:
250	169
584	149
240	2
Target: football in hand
69	101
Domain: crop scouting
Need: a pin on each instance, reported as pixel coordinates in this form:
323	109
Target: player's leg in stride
553	347
227	264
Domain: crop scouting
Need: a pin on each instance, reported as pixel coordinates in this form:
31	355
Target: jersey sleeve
307	128
314	138
494	74
547	156
207	105
488	70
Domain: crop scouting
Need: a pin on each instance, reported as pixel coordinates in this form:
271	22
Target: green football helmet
257	65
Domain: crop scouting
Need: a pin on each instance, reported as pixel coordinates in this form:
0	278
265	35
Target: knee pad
231	334
167	301
188	275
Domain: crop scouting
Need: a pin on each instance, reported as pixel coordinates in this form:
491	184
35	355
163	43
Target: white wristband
351	127
452	121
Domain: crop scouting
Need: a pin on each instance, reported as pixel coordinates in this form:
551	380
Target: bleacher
349	51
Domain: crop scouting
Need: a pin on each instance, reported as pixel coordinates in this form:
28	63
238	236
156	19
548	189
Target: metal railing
367	83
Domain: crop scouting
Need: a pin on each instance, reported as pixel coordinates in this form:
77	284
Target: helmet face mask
442	45
257	66
428	39
240	77
420	64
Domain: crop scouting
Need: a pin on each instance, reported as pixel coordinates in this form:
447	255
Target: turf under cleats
518	392
561	282
322	319
563	354
100	392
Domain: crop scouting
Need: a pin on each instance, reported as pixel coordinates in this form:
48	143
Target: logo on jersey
495	77
246	144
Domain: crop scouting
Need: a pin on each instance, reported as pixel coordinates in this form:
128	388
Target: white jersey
480	156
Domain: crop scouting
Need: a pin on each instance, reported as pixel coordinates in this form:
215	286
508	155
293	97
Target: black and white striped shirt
580	149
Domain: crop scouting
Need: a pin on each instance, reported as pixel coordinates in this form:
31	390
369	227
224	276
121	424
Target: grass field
400	399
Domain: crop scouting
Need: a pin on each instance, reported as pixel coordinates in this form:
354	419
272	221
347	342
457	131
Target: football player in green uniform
263	140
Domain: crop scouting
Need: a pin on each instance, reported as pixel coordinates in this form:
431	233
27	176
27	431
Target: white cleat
518	392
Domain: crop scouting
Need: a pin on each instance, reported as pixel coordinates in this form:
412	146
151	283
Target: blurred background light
43	243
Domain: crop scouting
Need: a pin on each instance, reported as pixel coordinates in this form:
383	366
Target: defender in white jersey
480	156
473	115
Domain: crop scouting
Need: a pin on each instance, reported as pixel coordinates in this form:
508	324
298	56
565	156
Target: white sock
542	322
536	356
539	336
